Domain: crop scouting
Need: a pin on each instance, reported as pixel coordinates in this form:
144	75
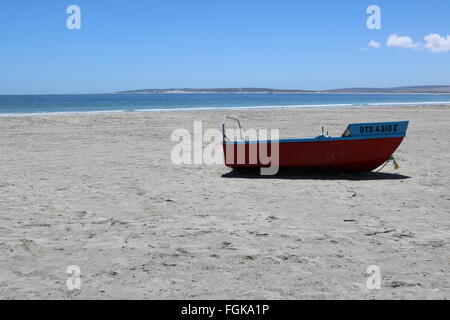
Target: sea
115	103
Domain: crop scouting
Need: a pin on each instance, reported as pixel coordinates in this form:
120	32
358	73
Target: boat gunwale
321	139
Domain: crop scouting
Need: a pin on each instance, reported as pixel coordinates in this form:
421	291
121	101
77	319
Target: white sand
100	192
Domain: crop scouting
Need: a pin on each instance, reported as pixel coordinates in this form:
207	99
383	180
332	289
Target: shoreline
288	107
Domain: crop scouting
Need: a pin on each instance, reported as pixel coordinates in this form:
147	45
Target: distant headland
436	89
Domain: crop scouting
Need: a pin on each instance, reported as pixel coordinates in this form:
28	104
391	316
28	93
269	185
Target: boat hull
346	155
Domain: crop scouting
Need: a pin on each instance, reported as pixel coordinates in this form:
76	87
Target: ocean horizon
113	103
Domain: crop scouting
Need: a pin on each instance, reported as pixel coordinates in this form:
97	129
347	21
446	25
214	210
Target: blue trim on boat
361	131
325	139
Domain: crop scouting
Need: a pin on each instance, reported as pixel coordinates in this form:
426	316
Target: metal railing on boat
225	138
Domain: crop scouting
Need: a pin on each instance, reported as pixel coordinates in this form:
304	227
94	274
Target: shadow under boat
295	174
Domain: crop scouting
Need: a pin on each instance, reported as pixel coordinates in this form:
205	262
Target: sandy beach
100	191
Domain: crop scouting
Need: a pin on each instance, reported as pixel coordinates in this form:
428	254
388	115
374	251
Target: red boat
362	148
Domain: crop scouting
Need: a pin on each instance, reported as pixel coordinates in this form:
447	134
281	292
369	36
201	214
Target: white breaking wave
310	106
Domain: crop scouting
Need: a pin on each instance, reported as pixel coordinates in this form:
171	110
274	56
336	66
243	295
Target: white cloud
437	44
434	42
372	45
394	41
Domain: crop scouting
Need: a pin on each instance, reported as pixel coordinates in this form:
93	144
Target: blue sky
202	44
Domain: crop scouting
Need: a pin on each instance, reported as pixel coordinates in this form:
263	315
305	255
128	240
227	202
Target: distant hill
394	90
414	89
214	90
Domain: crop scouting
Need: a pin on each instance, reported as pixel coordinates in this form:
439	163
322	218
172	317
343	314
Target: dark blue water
139	102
